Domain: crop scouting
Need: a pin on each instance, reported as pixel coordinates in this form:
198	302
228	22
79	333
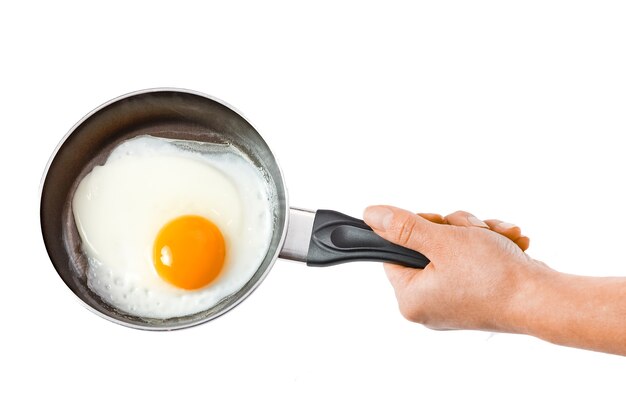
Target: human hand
476	277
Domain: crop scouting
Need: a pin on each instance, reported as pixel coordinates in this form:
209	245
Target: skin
480	278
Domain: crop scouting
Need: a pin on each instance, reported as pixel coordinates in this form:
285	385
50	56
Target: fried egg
171	227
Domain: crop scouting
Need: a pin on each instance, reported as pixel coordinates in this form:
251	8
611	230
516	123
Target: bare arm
481	280
572	310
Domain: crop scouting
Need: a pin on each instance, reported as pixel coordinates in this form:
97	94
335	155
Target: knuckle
458	214
404	231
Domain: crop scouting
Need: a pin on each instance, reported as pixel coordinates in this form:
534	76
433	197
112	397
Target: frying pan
318	238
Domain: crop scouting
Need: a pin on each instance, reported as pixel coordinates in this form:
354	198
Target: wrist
530	303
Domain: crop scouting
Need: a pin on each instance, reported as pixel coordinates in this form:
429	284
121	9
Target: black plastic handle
338	238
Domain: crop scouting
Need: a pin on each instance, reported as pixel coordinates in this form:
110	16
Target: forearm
571	310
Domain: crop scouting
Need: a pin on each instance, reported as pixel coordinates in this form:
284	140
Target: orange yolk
189	252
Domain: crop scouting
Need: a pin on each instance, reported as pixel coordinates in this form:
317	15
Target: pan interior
172	114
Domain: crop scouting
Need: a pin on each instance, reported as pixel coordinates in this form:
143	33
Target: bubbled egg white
146	182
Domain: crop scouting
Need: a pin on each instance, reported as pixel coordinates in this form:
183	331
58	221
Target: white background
509	110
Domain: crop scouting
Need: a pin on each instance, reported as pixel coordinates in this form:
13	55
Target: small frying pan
319	238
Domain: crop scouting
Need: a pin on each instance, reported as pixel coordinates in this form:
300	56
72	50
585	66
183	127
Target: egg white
146	182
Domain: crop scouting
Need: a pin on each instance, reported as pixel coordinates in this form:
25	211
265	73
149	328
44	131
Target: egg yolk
189	252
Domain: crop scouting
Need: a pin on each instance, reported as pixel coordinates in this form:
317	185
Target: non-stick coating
175	114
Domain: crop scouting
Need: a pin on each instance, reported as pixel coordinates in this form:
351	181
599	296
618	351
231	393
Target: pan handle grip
338	238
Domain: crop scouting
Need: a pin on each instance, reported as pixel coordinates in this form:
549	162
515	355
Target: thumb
404	228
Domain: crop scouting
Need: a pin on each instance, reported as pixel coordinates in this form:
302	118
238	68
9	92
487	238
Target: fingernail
505	225
378	217
476	221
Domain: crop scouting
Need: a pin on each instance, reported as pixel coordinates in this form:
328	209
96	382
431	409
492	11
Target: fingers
511	231
523	242
505	229
420	232
433	217
463	218
404	228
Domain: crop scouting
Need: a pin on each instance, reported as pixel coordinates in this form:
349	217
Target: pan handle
327	237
